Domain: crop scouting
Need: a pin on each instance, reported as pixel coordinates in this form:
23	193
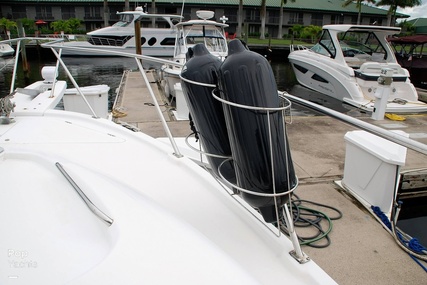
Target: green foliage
69	26
408	29
7	24
296	30
311	32
75	24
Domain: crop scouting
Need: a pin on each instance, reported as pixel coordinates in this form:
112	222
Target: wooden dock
134	106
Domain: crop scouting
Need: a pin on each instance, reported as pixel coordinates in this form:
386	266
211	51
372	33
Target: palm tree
394	4
106	13
7	25
239	20
263	13
359	6
282	3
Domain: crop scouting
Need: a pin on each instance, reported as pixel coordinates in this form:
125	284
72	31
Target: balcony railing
296	22
92	17
18	15
66	16
316	22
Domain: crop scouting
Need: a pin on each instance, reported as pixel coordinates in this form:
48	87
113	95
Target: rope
409	244
193	127
6	106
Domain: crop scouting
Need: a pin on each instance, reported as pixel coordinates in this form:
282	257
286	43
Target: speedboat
410	52
86	201
6	50
189	33
155	41
353	63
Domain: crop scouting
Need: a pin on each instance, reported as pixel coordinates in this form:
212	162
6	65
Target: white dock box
96	95
372	165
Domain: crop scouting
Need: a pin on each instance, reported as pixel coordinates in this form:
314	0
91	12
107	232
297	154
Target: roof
317	5
419	22
418	39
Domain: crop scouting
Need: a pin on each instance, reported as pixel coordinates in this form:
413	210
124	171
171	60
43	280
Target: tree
394	4
311	32
7	25
28	24
68	26
359	6
282	3
263	13
74	24
239	20
60	26
297	30
106	13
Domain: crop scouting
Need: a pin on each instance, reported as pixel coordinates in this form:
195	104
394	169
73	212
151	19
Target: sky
415	12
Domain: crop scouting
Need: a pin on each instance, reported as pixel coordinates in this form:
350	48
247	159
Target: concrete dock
361	250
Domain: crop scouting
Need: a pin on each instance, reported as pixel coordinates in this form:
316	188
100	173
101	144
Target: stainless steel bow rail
386	134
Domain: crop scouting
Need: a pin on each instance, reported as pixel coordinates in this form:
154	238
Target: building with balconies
96	13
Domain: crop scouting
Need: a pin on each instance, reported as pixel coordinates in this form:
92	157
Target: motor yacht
351	63
120	37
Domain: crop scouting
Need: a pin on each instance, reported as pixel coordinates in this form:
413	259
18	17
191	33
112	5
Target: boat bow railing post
15	67
177	153
58	57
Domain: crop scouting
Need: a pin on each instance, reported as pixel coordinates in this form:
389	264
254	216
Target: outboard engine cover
246	78
206	112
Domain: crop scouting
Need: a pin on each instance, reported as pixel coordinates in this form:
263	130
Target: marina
360	250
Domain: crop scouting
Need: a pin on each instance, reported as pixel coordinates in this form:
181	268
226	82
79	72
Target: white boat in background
6	50
189	33
155	41
348	61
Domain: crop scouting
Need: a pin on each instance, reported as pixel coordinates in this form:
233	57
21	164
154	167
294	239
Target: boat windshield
362	44
125	19
212	37
325	46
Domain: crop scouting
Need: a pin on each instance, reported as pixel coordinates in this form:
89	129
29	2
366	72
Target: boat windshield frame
125	20
212	36
356	43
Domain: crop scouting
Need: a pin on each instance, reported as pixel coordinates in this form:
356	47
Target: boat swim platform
361	250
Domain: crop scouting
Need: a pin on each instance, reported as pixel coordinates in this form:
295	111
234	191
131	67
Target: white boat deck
361	250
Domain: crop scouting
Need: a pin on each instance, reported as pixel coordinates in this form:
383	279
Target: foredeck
361	250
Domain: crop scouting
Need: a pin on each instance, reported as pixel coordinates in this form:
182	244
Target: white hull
87	201
357	86
95	50
6	50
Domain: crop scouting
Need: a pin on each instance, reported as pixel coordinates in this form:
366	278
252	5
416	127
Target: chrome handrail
386	134
101	215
